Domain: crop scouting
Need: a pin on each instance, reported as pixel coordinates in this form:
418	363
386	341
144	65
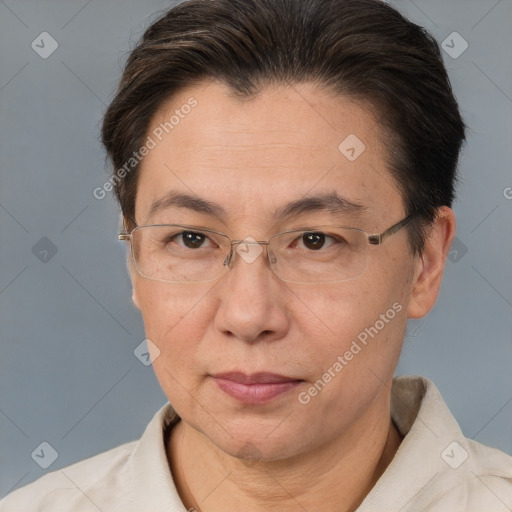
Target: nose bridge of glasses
243	248
249	241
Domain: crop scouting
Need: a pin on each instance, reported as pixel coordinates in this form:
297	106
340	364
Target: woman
285	171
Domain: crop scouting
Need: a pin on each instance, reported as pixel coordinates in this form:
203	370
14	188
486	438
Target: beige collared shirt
436	469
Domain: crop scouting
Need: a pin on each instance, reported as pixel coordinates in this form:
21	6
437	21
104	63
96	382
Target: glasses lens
320	255
179	254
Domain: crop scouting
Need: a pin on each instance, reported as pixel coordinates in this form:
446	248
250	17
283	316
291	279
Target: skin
251	157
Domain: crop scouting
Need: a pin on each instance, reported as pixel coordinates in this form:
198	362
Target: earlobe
135	299
431	263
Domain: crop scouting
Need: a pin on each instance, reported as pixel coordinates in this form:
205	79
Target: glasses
173	253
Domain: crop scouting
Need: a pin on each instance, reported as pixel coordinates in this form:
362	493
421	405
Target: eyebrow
332	203
180	200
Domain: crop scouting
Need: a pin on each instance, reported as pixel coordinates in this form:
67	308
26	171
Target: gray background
68	374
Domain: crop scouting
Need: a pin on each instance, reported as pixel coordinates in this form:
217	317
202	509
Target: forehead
254	155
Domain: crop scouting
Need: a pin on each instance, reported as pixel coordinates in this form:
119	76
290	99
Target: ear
135	298
431	263
132	273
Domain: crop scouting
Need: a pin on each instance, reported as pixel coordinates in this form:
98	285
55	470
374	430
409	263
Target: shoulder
70	488
132	477
483	482
487	479
457	473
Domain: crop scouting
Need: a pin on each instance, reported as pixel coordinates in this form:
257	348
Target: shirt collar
420	415
153	486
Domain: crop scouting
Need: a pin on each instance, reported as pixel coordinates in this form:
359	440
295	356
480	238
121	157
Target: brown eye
190	239
313	241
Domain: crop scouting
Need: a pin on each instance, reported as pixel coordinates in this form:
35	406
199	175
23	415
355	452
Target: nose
251	298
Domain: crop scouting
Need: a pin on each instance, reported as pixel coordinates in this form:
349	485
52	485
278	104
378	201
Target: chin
256	439
250	450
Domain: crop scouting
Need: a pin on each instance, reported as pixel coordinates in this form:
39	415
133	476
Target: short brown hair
363	49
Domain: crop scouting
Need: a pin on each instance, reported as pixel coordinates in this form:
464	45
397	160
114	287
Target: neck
335	477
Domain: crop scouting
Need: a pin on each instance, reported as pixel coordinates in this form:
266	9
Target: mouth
256	388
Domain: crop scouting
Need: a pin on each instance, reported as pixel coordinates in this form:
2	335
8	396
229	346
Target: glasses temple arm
378	239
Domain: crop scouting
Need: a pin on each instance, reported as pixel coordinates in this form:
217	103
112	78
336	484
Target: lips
255	378
256	388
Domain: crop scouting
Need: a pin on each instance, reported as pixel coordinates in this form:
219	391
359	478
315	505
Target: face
250	158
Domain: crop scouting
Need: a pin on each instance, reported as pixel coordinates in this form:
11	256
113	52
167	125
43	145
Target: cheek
363	321
338	312
176	317
358	352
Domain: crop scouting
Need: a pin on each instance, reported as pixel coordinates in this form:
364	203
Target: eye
191	240
315	240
